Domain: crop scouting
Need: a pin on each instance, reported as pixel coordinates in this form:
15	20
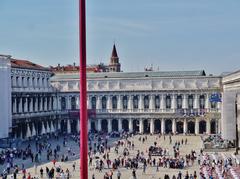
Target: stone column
173	103
89	124
33	130
130	103
36	104
28	134
163	102
196	101
152	103
109	125
78	125
20	105
141	102
99	125
52	127
119	125
43	128
68	127
25	104
48	128
162	126
89	102
99	103
207	103
50	104
208	127
45	104
14	105
185	102
141	126
185	130
119	103
152	126
197	126
130	125
55	103
174	126
31	105
109	103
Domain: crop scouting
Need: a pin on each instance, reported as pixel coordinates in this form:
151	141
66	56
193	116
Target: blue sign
216	97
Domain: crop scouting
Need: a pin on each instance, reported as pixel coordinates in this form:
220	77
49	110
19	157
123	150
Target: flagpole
83	92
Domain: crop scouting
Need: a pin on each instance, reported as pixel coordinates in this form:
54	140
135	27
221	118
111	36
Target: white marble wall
5	96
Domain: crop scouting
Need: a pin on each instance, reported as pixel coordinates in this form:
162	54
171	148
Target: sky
167	34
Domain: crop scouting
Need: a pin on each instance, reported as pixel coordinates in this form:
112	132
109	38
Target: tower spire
114	60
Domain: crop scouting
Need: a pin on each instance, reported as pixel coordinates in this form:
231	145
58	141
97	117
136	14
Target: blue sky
169	34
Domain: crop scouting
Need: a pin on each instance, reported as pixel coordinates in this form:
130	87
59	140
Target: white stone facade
5	95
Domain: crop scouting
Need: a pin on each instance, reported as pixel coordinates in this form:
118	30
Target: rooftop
199	73
17	63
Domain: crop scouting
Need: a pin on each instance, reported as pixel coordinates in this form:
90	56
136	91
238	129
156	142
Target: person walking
119	174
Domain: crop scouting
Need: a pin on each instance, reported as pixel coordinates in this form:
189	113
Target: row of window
179	102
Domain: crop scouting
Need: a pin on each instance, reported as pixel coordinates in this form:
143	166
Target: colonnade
31	103
163	126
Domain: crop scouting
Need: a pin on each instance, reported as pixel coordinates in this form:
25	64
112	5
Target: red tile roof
16	63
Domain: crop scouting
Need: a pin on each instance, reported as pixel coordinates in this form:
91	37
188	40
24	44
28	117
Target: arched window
33	82
168	102
17	81
135	102
190	101
28	81
157	102
202	101
73	103
104	102
63	103
179	102
114	102
125	103
94	101
146	102
213	105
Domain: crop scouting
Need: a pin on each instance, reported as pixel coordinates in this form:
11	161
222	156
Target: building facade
145	102
46	100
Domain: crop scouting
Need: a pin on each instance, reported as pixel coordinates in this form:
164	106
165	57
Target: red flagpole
83	92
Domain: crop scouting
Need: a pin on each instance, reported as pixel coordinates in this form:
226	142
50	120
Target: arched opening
146	126
168	126
168	102
213	127
135	125
104	102
114	102
63	103
74	126
73	103
157	102
191	127
114	125
125	125
63	126
94	101
179	102
202	127
24	130
104	125
125	103
146	102
157	126
179	127
190	101
135	102
202	102
93	127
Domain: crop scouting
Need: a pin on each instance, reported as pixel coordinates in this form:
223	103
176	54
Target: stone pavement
194	143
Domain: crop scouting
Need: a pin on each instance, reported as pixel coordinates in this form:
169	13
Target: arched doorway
213	126
168	126
135	125
179	127
202	127
104	125
157	126
191	127
125	125
93	127
146	126
63	126
74	126
114	125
